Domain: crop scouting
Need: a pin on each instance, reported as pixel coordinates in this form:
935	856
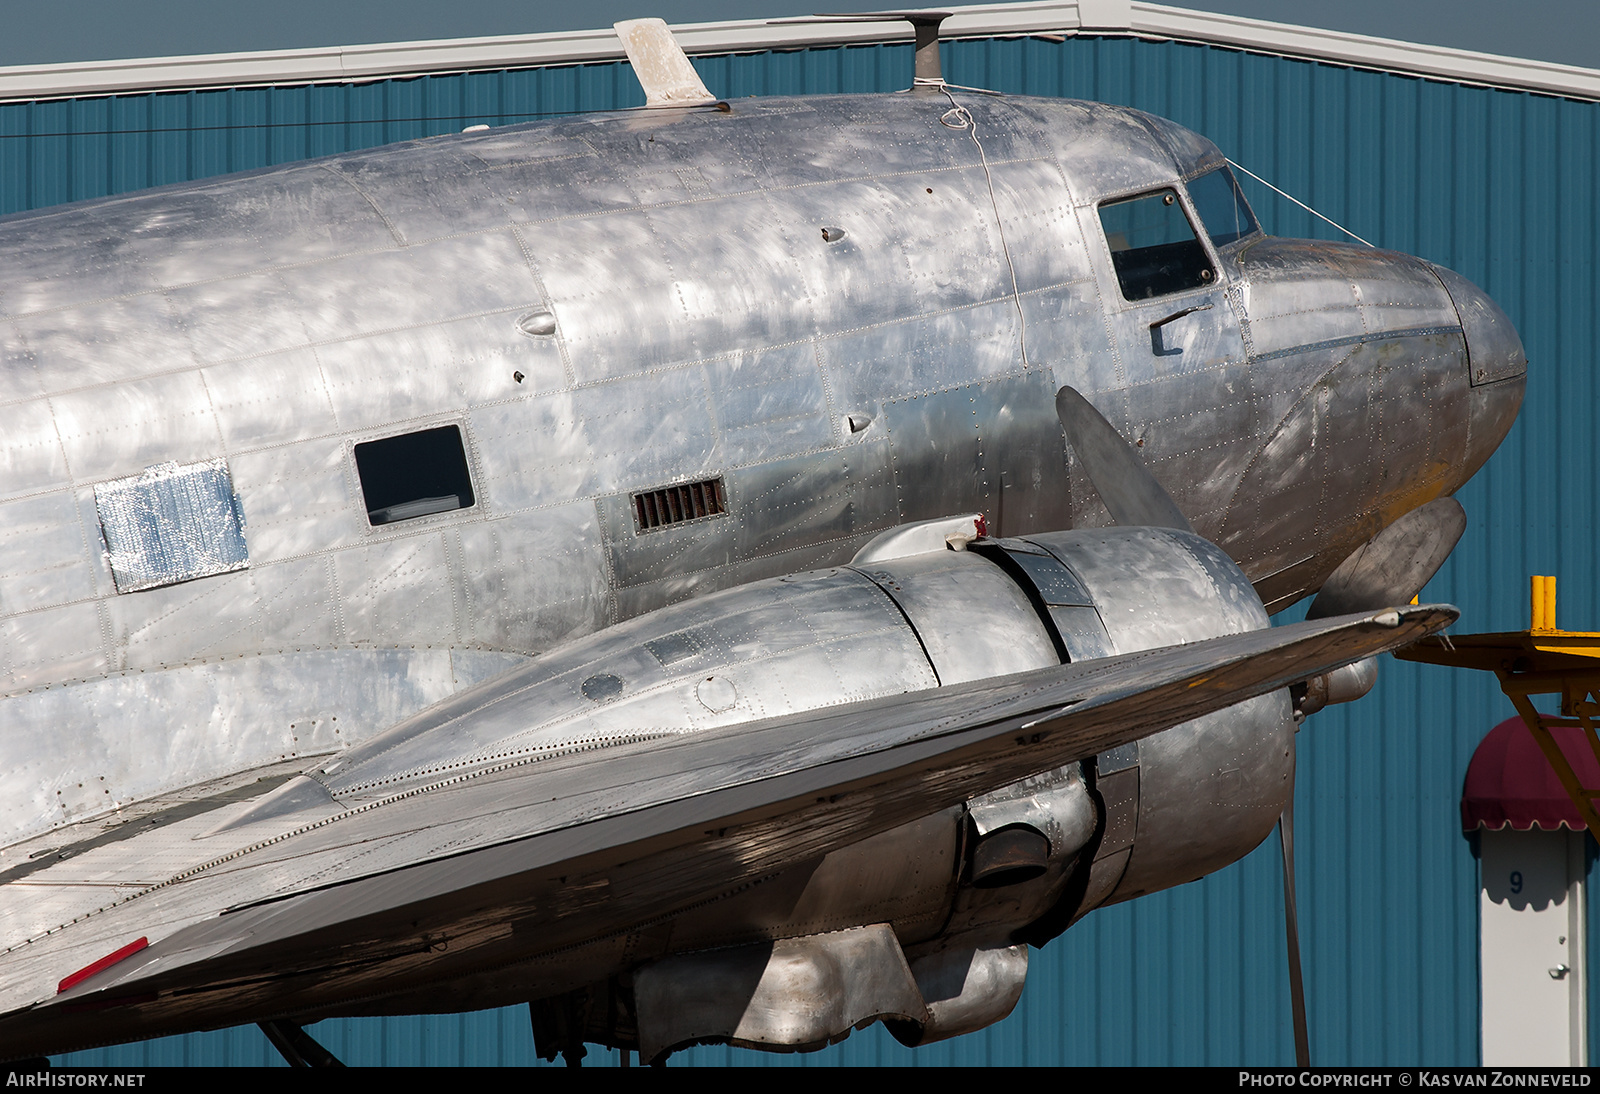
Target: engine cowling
790	963
1208	791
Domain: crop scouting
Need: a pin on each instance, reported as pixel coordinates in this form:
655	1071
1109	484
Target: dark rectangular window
414	474
1153	249
676	504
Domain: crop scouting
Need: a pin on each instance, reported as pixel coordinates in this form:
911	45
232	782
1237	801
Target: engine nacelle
953	893
1190	800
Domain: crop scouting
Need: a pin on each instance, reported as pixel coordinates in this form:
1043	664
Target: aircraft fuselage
806	320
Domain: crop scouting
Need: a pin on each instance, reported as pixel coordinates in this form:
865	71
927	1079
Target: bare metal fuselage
612	305
702	327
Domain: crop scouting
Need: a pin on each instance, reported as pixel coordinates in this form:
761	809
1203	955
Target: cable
965	120
1303	205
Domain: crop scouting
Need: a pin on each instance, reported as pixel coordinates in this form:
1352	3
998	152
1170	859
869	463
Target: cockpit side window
1153	248
1222	208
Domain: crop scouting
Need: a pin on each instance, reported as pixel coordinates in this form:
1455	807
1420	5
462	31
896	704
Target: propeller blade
1291	930
1130	492
1394	565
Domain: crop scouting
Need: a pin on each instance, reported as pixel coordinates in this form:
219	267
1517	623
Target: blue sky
1566	31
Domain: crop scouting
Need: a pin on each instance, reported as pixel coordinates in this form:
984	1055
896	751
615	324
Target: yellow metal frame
1543	660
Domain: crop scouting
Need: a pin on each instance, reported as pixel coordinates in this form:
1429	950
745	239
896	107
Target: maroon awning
1510	783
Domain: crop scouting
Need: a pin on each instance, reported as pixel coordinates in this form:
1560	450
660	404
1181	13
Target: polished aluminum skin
853	313
696	322
788	645
565	874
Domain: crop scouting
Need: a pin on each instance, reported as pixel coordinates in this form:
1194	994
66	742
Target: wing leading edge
515	867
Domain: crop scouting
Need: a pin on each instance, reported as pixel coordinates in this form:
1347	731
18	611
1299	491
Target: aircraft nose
1497	367
1492	343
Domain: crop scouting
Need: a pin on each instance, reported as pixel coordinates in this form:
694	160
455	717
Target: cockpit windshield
1222	207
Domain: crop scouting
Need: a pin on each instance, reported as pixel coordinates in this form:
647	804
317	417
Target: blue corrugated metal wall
1500	186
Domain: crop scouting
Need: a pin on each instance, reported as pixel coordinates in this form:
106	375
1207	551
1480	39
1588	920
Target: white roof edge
1131	17
1363	51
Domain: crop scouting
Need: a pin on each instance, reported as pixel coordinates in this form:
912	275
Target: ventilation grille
677	504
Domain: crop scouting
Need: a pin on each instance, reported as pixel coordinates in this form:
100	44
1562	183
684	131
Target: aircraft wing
329	911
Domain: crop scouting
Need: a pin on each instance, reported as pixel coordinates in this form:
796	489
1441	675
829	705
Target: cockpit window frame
1179	187
1200	172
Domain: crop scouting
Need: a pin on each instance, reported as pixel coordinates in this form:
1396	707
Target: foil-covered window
172	523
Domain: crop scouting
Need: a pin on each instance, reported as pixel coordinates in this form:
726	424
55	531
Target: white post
1531	901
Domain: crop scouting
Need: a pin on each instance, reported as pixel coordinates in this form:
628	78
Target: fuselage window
1153	248
1222	208
414	474
172	523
